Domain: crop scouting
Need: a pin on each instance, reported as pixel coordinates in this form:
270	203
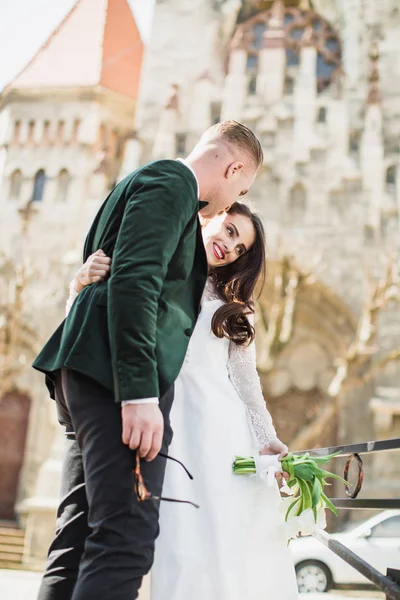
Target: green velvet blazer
130	333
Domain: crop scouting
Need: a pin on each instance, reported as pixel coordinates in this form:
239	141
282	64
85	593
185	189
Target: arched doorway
14	415
296	381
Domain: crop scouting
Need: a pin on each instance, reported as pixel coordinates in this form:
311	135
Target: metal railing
389	584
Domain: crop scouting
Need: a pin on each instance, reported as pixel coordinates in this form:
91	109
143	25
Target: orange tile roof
98	43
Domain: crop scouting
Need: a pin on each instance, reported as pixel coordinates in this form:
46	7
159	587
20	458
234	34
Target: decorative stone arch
296	387
301	27
14	416
63	183
16	180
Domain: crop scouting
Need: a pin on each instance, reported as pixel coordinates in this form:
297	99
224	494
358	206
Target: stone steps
11	546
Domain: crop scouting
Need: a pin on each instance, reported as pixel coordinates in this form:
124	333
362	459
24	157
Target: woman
233	547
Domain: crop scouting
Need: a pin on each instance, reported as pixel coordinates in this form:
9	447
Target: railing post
394	575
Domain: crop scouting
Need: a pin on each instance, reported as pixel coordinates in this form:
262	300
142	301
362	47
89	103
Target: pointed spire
274	36
374	93
277	12
305	5
307	38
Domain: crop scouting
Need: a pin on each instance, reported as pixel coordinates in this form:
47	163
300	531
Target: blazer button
189	331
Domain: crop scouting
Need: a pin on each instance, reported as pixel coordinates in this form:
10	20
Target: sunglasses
141	491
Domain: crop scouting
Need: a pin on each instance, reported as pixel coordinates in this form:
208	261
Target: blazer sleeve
159	208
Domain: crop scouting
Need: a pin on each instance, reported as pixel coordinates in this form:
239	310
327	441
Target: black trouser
104	542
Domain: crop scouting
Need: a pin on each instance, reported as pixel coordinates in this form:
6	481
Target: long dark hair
235	284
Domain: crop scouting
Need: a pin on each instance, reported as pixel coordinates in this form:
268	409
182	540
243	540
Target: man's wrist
76	286
140	401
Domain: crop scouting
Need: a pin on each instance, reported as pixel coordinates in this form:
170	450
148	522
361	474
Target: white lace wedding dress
233	547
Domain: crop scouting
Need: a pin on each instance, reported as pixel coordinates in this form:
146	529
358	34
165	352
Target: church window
292	58
297	201
354	141
252	62
288	18
215	113
300	28
297	33
63	183
289	86
38	186
75	130
46	132
60	131
324	68
252	68
15	185
17	131
391	179
31	130
322	114
317	25
180	144
252	84
332	45
258	31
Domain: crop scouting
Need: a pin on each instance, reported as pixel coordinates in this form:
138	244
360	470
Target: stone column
271	75
235	88
372	147
200	111
165	142
353	42
305	95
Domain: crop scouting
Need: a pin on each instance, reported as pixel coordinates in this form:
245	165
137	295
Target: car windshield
389	527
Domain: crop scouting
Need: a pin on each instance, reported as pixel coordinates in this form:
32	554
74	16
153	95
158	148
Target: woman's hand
275	446
95	269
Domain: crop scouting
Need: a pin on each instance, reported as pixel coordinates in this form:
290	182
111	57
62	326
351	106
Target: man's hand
95	269
143	429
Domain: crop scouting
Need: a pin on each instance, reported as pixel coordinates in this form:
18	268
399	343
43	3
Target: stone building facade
319	82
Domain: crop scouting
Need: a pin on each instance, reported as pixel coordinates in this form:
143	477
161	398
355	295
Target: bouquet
305	507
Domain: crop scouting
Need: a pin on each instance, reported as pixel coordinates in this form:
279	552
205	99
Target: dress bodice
218	358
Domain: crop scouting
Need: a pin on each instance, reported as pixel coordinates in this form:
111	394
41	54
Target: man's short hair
239	135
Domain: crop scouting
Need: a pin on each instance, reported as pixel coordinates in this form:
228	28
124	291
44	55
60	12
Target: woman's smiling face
226	238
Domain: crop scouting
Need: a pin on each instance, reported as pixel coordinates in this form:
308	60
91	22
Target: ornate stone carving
293	27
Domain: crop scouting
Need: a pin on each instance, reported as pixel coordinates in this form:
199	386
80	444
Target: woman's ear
204	222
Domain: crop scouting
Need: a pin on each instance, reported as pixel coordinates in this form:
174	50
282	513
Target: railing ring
358	487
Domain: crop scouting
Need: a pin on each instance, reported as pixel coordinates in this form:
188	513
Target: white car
377	541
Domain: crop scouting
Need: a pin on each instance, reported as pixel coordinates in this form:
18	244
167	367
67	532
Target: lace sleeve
244	377
73	294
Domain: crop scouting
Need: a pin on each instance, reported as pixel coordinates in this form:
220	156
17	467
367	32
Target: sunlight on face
226	238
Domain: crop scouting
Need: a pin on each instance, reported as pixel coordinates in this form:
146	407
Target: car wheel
313	576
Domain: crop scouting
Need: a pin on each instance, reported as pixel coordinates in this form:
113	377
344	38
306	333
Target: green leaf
329	504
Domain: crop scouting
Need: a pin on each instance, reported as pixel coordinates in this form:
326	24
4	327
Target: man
112	363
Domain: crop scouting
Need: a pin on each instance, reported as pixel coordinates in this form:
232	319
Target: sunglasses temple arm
177	461
173	500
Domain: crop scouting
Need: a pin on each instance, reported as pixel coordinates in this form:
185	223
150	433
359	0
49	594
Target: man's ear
234	168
